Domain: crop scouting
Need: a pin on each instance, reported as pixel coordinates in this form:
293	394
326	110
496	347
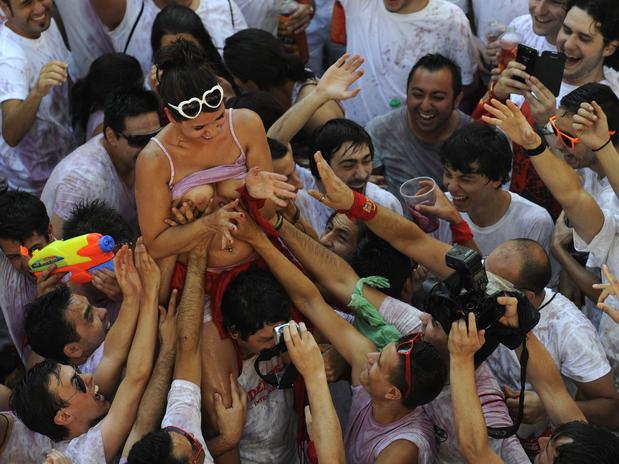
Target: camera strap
281	380
504	432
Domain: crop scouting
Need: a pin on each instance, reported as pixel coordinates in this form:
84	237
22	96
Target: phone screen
549	70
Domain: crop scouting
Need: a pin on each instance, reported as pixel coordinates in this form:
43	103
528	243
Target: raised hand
231	421
222	221
147	269
303	350
464	341
510	120
506	84
269	185
591	125
126	273
247	230
183	213
542	101
341	75
300	18
338	195
48	280
611	288
167	323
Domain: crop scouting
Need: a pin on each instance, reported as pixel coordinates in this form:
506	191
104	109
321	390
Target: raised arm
153	403
111	12
118	339
333	85
323	424
471	430
305	296
562	181
189	323
398	231
117	424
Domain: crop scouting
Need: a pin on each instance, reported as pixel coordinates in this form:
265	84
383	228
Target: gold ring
322	198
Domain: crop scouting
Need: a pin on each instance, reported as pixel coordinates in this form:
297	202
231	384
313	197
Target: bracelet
607	142
280	222
461	233
541	148
362	208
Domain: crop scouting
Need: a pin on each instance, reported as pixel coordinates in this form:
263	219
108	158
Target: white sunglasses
192	108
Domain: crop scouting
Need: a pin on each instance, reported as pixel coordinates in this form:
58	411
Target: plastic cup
420	191
509	48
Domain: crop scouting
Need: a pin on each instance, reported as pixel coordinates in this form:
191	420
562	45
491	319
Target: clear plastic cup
420	191
509	41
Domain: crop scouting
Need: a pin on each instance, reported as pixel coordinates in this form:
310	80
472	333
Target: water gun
79	256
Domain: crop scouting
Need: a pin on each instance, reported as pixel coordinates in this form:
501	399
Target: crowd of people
271	294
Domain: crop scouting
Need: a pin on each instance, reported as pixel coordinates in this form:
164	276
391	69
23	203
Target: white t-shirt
221	18
85	449
523	219
392	43
16	290
23	445
318	214
139	45
501	12
440	412
90	365
261	14
86	34
604	249
524	25
184	411
50	137
270	428
88	174
600	189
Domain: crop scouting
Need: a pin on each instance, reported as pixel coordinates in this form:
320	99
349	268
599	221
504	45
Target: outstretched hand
247	230
231	421
269	185
464	341
591	125
223	221
341	75
611	288
303	350
149	272
510	120
337	194
126	273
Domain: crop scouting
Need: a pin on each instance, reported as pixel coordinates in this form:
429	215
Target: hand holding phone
548	67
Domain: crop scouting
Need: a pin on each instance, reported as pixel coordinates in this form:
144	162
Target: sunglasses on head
138	140
405	348
192	108
196	447
567	139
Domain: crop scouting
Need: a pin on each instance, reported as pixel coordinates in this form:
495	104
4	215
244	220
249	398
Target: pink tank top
236	170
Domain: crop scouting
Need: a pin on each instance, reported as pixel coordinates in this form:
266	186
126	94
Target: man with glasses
104	167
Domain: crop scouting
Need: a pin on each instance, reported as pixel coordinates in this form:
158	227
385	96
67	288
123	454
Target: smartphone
528	57
549	69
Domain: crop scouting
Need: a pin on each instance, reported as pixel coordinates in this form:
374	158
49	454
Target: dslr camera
468	290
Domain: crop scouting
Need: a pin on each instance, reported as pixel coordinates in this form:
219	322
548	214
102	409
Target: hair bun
180	54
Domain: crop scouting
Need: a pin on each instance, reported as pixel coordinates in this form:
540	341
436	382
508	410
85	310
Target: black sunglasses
138	140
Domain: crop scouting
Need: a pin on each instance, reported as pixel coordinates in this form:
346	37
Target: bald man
566	333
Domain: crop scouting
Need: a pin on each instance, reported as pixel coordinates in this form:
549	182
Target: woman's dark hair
255	55
108	73
185	74
176	19
260	102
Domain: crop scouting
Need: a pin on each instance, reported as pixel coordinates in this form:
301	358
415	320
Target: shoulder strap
135	24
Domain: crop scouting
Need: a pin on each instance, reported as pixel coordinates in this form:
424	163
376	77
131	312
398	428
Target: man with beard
348	149
407	140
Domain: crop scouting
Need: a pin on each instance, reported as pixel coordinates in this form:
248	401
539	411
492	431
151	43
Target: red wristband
362	208
461	233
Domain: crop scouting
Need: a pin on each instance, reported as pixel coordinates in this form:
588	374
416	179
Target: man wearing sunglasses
104	167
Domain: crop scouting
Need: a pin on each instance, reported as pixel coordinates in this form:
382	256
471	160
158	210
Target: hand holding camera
303	350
